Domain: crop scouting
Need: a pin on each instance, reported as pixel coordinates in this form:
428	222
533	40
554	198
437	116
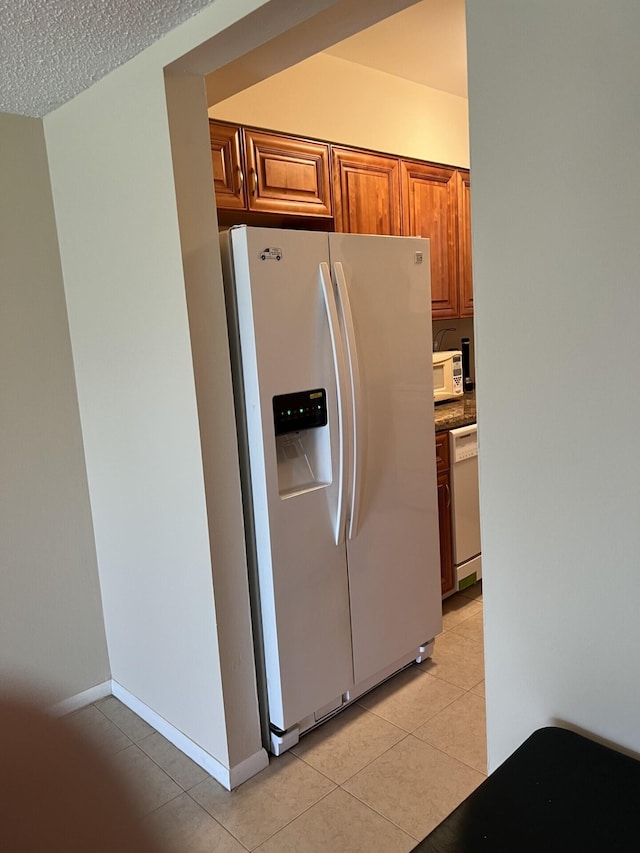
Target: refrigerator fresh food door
392	545
287	355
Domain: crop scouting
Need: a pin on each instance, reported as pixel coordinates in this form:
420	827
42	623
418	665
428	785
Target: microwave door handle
342	395
358	402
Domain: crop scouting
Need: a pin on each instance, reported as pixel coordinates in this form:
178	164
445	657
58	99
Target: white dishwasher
465	508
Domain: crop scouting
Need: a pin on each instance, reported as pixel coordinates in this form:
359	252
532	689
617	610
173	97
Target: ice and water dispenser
302	441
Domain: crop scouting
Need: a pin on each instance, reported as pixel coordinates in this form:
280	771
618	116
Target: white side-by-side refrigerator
331	343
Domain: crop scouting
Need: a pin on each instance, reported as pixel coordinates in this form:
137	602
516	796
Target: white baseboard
248	768
227	777
81	700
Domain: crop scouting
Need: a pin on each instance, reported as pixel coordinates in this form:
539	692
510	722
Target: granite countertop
456	413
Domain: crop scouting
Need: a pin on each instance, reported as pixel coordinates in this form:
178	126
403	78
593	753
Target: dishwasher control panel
464	443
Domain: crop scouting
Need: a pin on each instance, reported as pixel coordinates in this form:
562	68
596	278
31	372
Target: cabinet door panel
465	274
226	162
287	175
366	191
445	528
429	208
444	523
442	451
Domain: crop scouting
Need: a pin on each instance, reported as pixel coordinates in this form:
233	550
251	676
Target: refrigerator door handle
340	366
358	407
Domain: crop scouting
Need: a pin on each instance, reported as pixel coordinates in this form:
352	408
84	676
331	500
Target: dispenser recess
302	441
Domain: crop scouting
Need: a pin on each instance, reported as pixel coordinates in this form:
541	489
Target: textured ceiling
50	50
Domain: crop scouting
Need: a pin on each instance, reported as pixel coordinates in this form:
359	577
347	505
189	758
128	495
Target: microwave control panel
457	373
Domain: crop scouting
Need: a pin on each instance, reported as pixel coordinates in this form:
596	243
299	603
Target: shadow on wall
564	724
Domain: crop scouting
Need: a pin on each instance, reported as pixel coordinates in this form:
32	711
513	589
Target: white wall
212	375
330	98
52	637
113	189
556	205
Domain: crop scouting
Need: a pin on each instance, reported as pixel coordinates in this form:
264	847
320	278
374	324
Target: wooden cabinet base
447	577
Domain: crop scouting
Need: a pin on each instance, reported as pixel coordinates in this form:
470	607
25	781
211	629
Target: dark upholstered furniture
558	793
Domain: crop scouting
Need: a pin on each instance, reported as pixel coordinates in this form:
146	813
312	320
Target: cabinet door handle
254	175
240	180
446	485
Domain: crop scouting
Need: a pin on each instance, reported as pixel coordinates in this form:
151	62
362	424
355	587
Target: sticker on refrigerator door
417	258
270	254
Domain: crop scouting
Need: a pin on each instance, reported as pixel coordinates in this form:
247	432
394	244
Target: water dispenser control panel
299	410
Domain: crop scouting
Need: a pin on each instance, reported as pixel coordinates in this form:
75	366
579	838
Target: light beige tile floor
378	777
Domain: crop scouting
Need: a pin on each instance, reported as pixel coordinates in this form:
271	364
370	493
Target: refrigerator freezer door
303	587
393	558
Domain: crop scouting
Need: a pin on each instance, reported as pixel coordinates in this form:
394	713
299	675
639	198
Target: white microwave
447	375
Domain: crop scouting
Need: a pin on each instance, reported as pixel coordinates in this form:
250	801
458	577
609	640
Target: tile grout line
384	817
120	729
453	684
167	773
213	817
113	723
368	805
170	800
388	819
426	720
139	743
405	734
304	811
454	757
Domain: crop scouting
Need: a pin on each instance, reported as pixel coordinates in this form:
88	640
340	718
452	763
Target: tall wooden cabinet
465	277
377	194
366	192
429	208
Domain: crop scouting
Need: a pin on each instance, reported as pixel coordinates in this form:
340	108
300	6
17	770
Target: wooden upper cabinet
269	172
257	172
287	175
226	161
465	275
429	210
366	192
